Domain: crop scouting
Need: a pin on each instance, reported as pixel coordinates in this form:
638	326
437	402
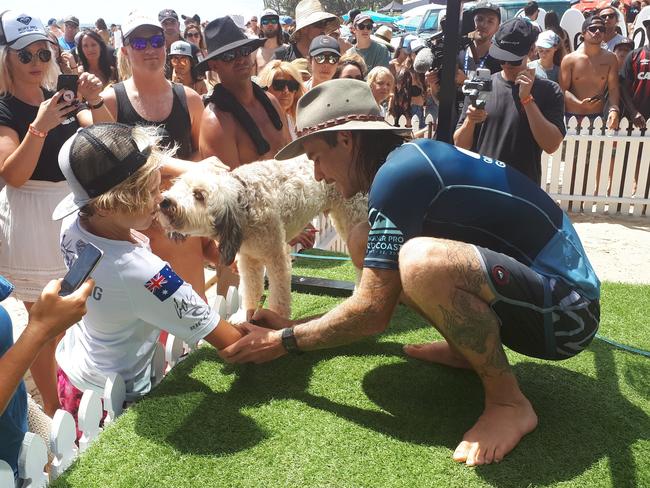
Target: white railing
33	454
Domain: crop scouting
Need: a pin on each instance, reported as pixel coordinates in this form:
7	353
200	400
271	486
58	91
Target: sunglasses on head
25	56
280	85
365	26
272	21
511	63
236	53
596	28
330	58
140	43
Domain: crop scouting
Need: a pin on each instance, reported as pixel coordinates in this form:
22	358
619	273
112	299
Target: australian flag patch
164	284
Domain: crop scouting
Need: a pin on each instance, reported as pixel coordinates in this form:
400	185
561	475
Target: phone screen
80	269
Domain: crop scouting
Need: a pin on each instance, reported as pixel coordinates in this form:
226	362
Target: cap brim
134	28
66	207
295	148
203	65
500	54
325	50
28	39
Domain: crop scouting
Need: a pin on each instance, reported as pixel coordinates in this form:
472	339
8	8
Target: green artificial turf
366	416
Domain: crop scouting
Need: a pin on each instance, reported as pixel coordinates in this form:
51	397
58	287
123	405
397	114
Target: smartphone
595	98
69	84
81	269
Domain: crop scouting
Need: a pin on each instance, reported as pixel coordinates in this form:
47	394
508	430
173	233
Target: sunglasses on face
180	59
365	26
271	21
236	53
140	43
321	24
596	28
330	58
511	63
26	57
280	85
193	34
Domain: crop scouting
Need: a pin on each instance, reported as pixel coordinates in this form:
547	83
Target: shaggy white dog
254	211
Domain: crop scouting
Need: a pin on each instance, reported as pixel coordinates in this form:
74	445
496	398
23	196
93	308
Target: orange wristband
33	130
526	100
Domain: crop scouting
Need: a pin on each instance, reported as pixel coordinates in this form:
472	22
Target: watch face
289	340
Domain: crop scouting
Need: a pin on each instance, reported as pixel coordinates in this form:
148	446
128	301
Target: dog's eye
199	195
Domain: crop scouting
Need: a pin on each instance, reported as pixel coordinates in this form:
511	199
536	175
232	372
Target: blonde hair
267	75
378	71
6	79
132	194
124	70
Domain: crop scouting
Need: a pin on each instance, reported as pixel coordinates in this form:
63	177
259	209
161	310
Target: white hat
138	19
180	48
269	12
547	39
309	12
18	30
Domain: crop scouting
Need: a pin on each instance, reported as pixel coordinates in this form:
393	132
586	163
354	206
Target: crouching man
473	245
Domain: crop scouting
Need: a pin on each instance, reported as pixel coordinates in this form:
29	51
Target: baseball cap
52	21
487	6
590	20
624	42
167	14
96	159
547	39
71	19
361	18
180	48
513	40
269	12
286	20
138	19
324	44
18	30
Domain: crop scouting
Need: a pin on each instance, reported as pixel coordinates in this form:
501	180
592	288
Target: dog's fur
254	211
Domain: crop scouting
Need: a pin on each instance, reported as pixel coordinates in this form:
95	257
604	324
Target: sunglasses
321	24
26	57
236	53
511	63
140	43
180	59
330	58
609	16
596	28
193	34
365	26
271	21
280	85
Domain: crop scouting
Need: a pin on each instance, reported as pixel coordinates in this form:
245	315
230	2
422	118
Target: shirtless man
271	31
587	74
242	123
611	36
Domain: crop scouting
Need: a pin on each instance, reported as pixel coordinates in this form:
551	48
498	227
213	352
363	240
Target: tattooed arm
364	314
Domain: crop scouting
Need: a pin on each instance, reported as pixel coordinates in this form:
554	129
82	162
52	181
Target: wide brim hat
310	12
222	35
335	105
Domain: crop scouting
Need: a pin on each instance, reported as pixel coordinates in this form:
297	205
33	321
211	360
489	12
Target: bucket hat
310	12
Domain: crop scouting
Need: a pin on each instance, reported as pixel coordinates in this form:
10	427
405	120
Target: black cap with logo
513	40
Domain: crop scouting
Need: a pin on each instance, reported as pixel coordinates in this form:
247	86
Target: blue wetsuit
547	292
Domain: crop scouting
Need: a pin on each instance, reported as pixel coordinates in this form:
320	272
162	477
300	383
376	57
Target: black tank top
176	127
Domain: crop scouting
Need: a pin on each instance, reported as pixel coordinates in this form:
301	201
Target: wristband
614	109
99	104
33	130
526	100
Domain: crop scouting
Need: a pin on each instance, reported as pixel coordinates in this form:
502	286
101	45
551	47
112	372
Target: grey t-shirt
374	55
552	74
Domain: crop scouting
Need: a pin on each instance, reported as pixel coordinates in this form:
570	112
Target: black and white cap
18	30
513	40
96	159
180	48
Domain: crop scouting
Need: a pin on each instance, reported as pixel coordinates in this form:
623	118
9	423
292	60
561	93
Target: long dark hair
278	35
106	61
198	28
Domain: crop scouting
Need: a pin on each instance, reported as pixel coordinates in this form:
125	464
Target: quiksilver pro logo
384	238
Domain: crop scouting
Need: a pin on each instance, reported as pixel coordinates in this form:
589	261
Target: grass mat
366	416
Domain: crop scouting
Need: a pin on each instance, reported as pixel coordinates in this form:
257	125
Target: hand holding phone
68	83
80	269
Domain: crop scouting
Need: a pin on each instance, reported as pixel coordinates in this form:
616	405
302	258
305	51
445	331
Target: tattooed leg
446	282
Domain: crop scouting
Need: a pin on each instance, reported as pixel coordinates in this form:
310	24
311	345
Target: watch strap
289	341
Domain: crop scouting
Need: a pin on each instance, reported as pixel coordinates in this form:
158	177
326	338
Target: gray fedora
341	104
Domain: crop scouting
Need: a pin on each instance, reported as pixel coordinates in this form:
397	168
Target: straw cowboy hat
309	12
342	104
383	36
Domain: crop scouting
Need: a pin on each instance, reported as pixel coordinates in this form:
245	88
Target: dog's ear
228	227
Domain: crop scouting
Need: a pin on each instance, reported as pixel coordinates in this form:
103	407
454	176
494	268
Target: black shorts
540	317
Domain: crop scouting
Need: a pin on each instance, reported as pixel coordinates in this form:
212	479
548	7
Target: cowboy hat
341	104
223	35
309	12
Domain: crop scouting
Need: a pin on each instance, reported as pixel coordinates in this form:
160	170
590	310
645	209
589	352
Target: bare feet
437	352
497	431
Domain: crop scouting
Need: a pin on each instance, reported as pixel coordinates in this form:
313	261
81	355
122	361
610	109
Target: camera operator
523	114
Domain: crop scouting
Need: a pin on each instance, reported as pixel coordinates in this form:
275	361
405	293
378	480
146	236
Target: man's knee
358	242
422	258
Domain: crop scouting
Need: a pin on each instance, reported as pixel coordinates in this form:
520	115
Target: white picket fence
33	453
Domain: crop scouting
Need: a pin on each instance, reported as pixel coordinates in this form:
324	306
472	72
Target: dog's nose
165	203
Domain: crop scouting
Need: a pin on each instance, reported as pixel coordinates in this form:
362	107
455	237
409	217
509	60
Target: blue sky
115	11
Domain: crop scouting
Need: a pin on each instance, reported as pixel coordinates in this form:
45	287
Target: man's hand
259	345
51	314
613	119
639	121
592	104
306	238
460	77
476	115
270	320
525	80
89	87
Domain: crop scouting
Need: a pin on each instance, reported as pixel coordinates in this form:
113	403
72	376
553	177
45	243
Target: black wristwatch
289	341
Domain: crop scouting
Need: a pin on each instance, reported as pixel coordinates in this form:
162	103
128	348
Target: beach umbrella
376	17
393	6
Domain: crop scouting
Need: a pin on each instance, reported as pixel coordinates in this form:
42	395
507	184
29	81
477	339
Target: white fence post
89	416
32	459
62	443
114	397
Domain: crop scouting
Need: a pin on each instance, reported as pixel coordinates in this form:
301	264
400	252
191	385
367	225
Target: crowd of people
178	90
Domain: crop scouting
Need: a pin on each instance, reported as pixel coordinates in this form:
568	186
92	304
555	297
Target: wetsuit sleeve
398	202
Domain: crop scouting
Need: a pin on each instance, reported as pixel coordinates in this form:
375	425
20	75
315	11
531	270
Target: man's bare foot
497	431
437	352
